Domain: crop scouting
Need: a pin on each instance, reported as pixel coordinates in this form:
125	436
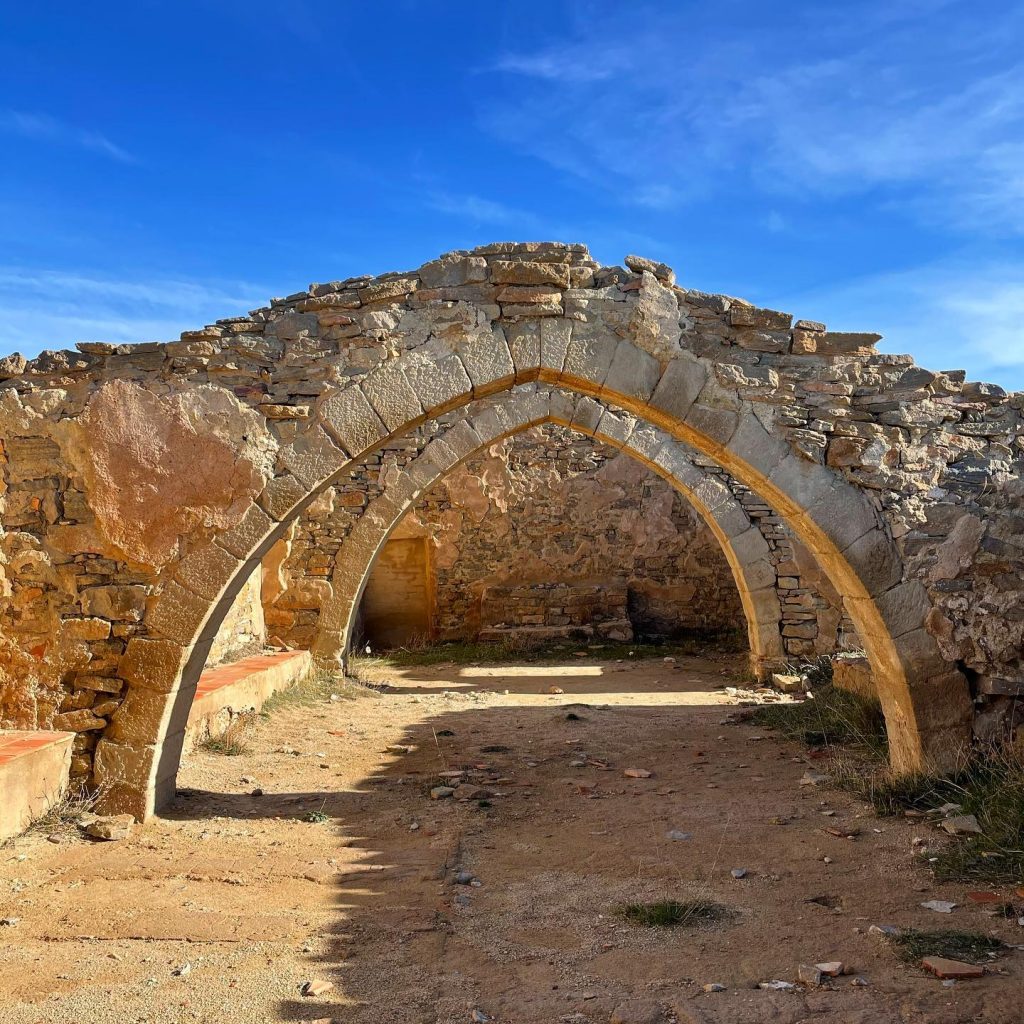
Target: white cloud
479	209
774	222
925	96
44	128
568	64
954	314
54	309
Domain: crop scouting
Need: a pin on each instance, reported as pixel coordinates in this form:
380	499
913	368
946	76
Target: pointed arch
924	697
745	550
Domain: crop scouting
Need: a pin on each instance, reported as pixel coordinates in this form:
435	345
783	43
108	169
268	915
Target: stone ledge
852	673
34	767
238	688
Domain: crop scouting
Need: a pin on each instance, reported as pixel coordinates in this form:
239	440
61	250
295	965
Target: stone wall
549	505
243	631
137	480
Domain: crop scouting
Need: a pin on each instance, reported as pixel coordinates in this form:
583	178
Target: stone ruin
856	498
545	536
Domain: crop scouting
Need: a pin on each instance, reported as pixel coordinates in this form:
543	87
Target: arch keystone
633	373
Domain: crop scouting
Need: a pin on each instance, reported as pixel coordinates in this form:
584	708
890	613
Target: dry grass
673	913
522	649
830	718
317	685
990	786
62	817
969	947
233	741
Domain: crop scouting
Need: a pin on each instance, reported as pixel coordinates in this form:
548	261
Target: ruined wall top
134	477
518	280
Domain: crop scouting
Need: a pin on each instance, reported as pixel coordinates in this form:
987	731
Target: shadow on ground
505	904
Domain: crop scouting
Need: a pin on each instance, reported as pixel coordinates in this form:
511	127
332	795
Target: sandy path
255	901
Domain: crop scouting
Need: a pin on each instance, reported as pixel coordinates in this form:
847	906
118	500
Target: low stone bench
34	769
239	688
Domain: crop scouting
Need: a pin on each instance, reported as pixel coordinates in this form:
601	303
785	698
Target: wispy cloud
567	65
479	209
55	308
955	313
43	128
924	97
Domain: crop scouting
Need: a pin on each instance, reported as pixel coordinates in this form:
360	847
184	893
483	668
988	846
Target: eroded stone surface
119	460
156	470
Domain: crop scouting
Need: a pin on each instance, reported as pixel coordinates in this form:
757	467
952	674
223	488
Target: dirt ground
221	909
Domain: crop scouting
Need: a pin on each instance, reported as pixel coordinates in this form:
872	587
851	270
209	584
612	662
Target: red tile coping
225	675
19	742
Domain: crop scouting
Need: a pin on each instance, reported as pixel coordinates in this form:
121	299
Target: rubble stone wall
547	506
243	631
142	484
551	505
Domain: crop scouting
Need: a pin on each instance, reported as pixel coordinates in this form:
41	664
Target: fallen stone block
957	969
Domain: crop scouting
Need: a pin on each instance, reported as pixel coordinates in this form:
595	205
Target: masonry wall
119	462
549	507
243	631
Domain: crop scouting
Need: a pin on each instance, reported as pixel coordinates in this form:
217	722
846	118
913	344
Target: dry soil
223	907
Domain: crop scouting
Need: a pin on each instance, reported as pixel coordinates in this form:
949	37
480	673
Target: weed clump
62	817
523	649
673	913
990	785
831	717
232	742
969	947
316	685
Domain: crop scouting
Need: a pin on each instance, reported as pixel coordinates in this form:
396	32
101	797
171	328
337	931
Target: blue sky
164	164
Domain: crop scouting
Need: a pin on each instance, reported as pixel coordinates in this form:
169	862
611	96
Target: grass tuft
673	913
317	685
969	947
62	816
990	786
832	717
232	742
891	794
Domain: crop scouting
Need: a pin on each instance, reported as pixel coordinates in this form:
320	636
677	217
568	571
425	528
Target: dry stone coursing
547	506
869	459
560	509
243	632
542	507
483	422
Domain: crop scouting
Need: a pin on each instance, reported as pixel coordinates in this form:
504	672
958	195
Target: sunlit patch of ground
507	903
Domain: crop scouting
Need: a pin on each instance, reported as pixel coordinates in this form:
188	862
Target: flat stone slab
943	968
34	768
